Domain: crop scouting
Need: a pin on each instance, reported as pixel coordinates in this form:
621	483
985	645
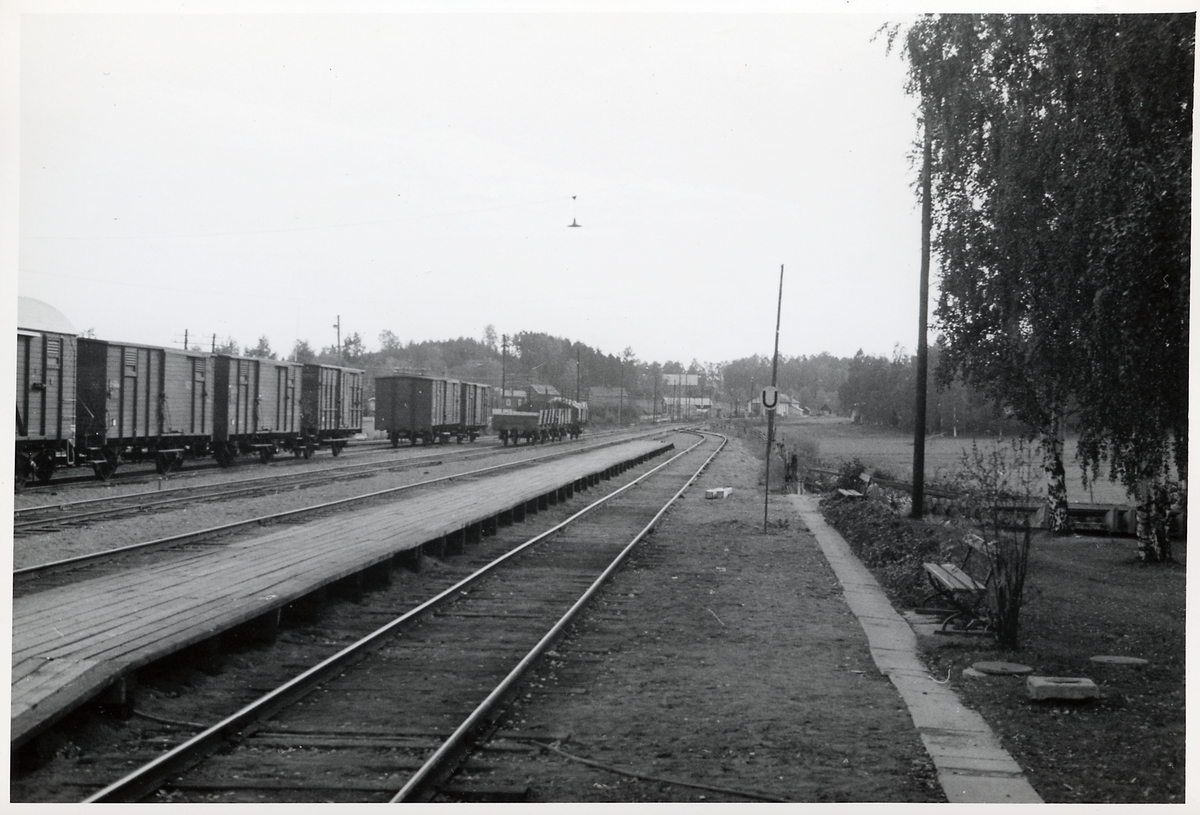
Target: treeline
882	391
874	390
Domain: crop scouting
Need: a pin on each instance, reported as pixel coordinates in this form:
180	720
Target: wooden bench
865	477
963	594
1090	518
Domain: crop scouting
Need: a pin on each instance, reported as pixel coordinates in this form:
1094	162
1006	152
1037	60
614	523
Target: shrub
994	485
848	473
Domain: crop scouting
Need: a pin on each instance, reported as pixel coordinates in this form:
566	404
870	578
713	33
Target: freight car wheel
43	468
223	455
308	450
104	469
266	454
24	471
336	447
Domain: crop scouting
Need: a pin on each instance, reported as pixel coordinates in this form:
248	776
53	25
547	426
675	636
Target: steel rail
288	478
186	537
246	486
149	777
454	744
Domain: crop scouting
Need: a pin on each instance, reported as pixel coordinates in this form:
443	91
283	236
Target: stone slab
1119	660
1002	668
1061	687
718	492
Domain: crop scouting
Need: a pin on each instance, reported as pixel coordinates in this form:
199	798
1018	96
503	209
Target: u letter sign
770	397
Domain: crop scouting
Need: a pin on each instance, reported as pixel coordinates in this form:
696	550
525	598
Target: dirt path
720	657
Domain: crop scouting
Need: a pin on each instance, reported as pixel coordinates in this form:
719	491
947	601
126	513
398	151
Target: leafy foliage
1061	170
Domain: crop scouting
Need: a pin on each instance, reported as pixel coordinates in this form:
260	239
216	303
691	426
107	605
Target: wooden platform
72	643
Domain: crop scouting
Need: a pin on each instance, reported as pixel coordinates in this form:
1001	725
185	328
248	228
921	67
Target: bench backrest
978	549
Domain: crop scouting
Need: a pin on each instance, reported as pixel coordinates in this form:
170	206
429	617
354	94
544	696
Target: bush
992	483
848	473
892	547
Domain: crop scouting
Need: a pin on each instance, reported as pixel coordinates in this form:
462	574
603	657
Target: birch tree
1061	182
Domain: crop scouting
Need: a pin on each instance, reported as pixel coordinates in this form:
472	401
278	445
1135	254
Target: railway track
393	715
46	517
136	472
34	577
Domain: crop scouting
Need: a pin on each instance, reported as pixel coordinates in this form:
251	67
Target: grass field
891	452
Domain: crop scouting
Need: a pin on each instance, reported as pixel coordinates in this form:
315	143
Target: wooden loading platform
80	642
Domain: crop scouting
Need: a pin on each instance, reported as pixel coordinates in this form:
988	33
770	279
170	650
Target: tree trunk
1057	518
1154	544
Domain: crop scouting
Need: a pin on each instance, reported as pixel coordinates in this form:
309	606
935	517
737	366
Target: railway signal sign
770	397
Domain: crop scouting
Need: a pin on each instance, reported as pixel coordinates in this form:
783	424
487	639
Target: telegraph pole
621	394
918	478
503	370
338	326
771	408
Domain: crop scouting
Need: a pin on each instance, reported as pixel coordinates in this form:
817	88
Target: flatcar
540	420
430	409
46	360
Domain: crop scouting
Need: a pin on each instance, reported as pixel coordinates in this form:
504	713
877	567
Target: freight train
431	409
84	401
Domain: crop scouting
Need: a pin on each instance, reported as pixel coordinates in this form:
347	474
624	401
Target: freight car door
127	396
246	420
198	396
24	383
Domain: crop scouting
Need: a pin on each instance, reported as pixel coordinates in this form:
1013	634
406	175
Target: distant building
512	397
686	407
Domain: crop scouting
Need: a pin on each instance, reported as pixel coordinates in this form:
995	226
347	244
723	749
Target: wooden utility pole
918	477
771	412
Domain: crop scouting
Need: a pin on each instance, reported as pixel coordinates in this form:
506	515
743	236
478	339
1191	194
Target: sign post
770	398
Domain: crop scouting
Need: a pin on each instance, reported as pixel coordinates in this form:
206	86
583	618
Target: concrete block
1061	687
718	492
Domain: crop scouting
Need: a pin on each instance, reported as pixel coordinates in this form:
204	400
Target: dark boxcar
411	407
331	405
46	359
139	402
256	406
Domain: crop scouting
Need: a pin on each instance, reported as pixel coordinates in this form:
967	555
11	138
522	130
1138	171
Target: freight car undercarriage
435	436
267	447
169	453
539	434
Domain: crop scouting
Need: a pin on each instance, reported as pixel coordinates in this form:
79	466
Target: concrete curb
972	766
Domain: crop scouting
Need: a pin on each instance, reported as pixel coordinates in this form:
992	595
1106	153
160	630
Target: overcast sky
250	175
